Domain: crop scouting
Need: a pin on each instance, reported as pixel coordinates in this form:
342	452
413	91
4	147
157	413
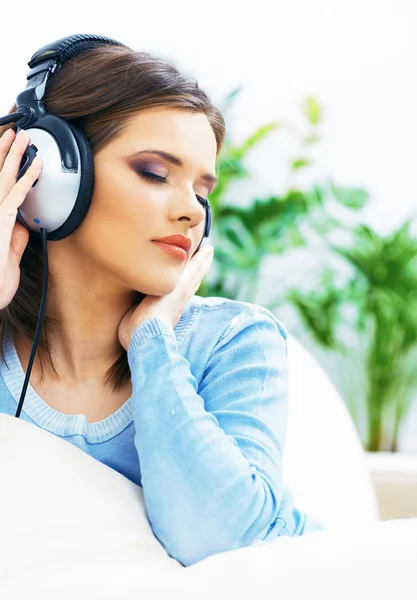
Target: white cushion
324	459
71	527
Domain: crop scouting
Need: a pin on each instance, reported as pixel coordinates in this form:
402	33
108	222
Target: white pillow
71	527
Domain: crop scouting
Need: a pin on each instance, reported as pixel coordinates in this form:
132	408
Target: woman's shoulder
227	314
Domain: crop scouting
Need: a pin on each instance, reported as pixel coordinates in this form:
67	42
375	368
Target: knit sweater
203	432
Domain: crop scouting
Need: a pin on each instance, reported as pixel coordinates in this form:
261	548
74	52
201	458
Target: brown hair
99	90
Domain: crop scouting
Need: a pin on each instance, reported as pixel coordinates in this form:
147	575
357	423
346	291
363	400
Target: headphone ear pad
85	191
207	227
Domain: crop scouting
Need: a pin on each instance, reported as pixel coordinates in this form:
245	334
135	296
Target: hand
169	307
13	235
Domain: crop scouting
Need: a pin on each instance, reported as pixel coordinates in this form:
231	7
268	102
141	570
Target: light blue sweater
203	432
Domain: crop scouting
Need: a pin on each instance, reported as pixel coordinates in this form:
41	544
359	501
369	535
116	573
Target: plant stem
374	425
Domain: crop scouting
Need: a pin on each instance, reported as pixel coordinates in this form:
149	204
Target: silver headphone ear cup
85	191
61	198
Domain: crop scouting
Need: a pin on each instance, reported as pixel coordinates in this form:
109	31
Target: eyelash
157	178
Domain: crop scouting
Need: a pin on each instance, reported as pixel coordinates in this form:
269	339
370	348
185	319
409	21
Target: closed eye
151	176
148	175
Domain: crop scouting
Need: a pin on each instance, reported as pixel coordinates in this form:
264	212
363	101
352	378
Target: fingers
203	253
6	141
20	189
12	148
19	240
199	268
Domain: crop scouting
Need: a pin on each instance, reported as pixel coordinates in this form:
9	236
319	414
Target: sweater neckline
62	424
52	420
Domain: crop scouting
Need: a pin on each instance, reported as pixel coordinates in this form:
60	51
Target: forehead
178	131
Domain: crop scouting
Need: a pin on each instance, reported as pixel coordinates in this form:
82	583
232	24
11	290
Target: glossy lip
174	251
176	240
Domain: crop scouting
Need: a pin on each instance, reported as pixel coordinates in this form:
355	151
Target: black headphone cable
39	323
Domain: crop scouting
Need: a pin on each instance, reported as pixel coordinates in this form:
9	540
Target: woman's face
140	196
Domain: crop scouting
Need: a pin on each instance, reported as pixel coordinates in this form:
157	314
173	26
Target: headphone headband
44	62
66	48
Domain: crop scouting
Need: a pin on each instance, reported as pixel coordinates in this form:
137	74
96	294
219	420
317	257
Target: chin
161	287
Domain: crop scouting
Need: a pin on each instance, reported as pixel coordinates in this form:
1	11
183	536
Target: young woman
186	396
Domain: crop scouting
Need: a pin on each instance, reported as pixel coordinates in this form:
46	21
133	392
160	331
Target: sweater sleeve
211	458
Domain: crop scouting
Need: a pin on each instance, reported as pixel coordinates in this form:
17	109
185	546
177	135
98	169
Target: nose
189	208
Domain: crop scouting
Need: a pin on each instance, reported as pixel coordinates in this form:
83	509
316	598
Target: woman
186	396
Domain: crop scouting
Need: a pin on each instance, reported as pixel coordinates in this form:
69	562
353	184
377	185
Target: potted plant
370	320
376	305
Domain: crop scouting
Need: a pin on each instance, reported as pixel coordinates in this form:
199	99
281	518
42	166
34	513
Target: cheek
119	202
120	222
112	194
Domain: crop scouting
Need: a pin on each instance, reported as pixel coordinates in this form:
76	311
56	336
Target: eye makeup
151	176
150	169
146	170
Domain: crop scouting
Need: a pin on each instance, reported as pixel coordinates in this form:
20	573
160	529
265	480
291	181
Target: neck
88	307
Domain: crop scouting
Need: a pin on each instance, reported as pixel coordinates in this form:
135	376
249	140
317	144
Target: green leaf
354	198
230	99
312	110
319	311
299	163
311	139
239	152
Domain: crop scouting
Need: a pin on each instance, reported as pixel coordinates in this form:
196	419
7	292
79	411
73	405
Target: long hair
99	90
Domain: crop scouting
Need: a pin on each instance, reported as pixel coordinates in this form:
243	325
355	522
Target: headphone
59	200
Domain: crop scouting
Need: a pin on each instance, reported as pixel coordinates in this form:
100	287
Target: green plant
245	236
368	320
378	306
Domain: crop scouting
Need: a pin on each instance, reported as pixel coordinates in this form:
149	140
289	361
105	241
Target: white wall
357	56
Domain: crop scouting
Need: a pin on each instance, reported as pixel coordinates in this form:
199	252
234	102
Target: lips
176	240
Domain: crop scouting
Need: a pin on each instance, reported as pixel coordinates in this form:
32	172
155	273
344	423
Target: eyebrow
175	160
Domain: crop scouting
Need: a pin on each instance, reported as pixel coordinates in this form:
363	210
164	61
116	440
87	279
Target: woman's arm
211	459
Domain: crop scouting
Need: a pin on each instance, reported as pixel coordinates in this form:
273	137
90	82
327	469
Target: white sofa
324	458
70	527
